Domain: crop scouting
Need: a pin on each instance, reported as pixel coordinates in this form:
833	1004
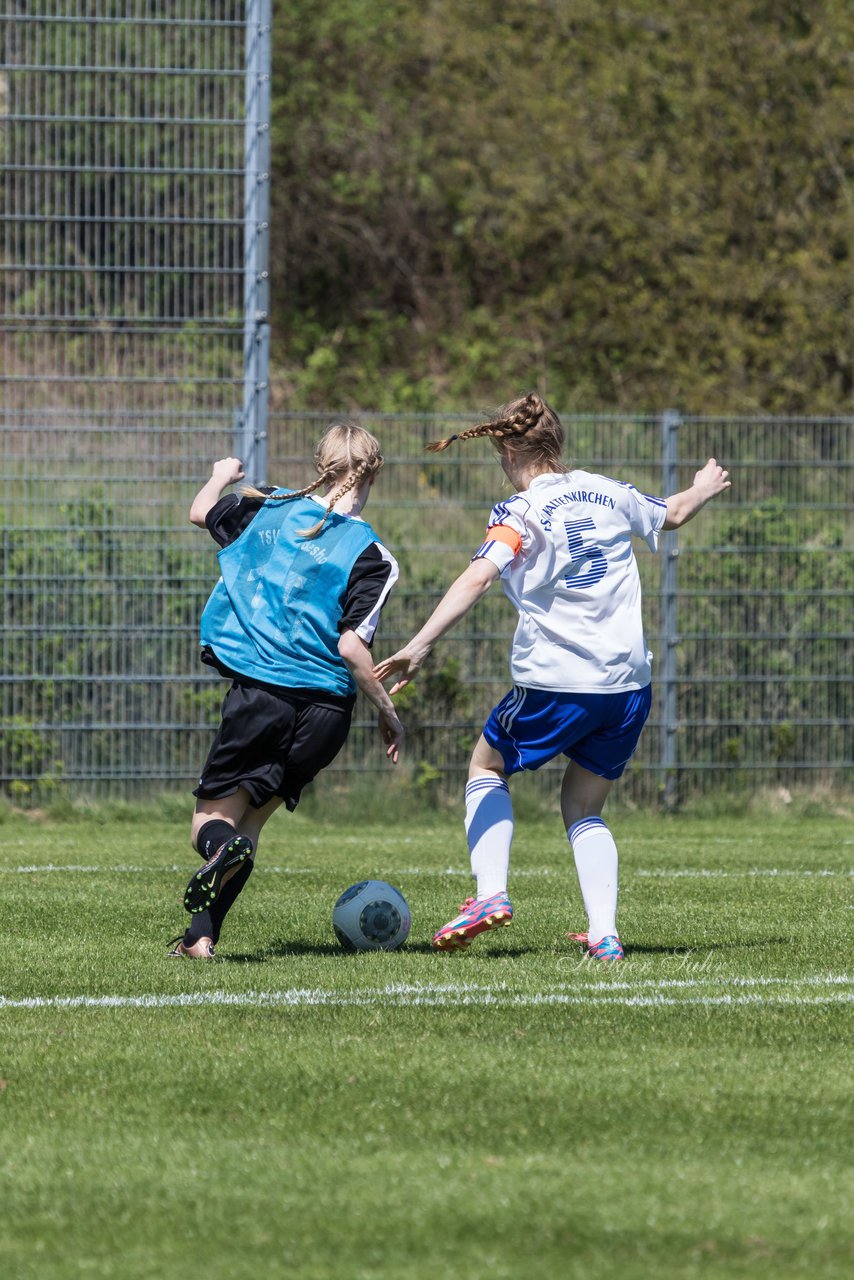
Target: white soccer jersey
564	548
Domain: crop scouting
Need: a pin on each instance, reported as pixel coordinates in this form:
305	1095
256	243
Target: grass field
291	1111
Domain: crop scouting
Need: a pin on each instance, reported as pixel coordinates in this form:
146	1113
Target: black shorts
271	744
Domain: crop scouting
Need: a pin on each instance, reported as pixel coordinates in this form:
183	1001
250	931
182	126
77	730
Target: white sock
595	856
489	830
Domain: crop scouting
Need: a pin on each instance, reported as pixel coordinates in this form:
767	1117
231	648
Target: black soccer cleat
205	885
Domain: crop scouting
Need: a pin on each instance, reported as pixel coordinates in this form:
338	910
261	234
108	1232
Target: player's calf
206	884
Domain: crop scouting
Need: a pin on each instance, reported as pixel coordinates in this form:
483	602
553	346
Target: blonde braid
365	467
345	450
249	491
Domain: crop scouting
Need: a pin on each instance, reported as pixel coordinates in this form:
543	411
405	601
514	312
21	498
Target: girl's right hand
227	471
392	732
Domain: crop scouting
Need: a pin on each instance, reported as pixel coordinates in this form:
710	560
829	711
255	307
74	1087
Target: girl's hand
223	473
709	481
227	471
403	664
393	733
712	479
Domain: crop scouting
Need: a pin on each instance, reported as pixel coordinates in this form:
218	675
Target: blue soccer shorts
599	731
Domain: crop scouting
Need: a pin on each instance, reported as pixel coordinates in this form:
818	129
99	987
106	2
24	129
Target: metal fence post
669	786
251	442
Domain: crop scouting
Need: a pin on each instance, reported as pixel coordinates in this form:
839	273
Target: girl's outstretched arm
472	583
223	473
357	657
708	483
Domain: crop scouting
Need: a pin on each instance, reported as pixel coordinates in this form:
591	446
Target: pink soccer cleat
609	948
476	916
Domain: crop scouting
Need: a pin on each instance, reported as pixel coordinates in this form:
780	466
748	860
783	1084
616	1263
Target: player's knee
486	761
576	811
480	771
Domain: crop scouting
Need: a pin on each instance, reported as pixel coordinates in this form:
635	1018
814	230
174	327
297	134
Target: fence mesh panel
121	344
766	580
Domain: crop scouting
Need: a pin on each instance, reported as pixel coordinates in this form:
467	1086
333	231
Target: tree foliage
628	205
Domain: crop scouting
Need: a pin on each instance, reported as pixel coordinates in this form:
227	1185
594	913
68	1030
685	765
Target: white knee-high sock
489	831
596	860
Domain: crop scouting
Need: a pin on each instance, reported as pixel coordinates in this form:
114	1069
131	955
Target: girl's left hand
712	479
402	664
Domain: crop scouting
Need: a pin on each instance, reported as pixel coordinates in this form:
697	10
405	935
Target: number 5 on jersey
581	552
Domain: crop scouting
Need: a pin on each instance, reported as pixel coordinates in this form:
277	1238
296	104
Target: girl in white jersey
562	546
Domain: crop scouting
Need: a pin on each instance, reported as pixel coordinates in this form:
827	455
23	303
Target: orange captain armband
503	533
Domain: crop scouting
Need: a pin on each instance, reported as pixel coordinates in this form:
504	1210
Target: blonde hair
345	452
529	424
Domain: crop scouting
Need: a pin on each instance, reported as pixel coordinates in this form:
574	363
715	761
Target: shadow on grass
685	949
281	950
295	950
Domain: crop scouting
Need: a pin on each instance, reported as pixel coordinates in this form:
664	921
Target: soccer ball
371	916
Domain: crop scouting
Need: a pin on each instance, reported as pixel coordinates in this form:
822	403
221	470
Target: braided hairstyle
346	455
529	424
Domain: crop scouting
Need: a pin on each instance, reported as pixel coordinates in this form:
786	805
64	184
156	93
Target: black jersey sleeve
371	580
227	519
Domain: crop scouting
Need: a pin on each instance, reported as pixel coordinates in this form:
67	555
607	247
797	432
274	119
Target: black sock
227	897
201	926
212	835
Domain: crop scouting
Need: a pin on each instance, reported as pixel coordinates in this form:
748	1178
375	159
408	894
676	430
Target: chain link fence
129	197
748	614
133	352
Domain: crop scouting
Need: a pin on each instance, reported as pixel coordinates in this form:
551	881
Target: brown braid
513	420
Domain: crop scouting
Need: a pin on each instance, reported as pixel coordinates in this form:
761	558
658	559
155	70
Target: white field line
399	995
126	869
699	873
664	873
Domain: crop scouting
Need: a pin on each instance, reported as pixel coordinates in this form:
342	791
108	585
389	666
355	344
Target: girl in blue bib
290	623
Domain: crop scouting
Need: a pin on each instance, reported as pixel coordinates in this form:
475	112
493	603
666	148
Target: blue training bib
274	613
